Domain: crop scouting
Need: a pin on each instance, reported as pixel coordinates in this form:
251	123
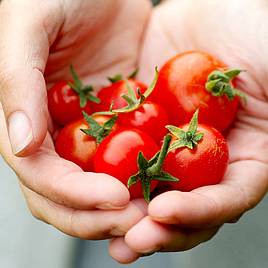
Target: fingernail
108	206
20	131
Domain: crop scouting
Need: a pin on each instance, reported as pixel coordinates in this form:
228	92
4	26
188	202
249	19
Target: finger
61	181
148	236
217	204
119	251
95	224
24	48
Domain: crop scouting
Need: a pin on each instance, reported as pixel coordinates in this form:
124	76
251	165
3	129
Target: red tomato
113	94
203	165
150	118
117	156
64	103
74	145
181	90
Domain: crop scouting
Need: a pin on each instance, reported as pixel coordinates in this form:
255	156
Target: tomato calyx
83	91
152	169
133	102
189	138
218	84
119	77
96	130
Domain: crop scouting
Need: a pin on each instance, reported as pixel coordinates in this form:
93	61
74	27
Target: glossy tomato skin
113	93
64	104
150	118
204	165
117	156
181	90
74	145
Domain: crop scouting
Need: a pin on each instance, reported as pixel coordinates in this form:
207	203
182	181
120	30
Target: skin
48	39
63	189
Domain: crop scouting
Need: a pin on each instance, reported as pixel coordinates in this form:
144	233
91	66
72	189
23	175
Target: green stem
156	168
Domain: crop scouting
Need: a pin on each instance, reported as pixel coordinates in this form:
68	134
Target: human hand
234	31
39	40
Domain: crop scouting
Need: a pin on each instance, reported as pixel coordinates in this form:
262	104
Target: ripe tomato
112	94
203	165
181	90
74	145
150	118
67	100
117	156
64	103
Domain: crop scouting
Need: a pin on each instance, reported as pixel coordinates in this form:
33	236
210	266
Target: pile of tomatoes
165	136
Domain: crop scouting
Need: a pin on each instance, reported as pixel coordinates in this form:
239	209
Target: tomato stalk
152	169
133	102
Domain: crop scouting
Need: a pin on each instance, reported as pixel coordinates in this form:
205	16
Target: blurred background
27	242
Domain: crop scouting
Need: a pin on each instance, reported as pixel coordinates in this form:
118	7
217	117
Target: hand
234	31
39	40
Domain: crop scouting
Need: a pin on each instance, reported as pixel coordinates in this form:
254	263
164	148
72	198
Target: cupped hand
235	32
39	41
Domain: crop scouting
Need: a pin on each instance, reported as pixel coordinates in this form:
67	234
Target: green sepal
97	131
115	78
83	91
189	138
142	161
146	189
164	176
119	77
133	180
219	84
153	160
133	74
152	169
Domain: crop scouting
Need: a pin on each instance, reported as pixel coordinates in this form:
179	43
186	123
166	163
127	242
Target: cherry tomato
203	165
112	94
150	118
74	145
64	103
117	156
181	90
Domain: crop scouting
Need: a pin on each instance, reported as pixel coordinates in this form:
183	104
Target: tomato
64	103
113	93
203	165
67	99
181	89
150	118
117	156
74	145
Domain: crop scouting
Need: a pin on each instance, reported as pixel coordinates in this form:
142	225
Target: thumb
24	48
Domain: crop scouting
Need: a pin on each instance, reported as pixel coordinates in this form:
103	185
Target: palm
229	34
100	43
226	29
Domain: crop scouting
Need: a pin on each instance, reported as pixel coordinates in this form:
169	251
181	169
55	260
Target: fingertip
121	253
26	119
144	237
109	192
158	209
